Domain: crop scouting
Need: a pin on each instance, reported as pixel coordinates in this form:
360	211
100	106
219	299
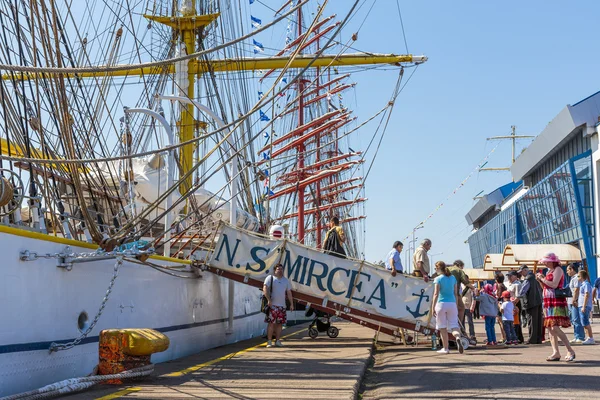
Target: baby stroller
321	323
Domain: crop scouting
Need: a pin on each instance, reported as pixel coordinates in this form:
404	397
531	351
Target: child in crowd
585	305
488	308
508	318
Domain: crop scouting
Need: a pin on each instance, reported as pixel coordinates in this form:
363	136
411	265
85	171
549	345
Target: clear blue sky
491	65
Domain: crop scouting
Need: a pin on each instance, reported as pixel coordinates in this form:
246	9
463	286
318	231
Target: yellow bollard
124	349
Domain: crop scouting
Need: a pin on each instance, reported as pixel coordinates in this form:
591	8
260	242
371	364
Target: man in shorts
275	289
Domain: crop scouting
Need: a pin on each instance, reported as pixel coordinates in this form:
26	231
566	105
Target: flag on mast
258	47
256	23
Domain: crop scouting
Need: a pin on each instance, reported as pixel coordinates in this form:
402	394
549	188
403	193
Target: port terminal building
554	196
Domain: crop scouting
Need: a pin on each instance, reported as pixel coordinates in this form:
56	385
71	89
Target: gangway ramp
354	290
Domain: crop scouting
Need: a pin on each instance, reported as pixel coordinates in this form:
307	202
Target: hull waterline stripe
35	346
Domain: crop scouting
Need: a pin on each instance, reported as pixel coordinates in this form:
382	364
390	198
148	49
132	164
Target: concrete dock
321	368
346	368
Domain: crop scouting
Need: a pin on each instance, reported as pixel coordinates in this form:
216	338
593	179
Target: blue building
553	198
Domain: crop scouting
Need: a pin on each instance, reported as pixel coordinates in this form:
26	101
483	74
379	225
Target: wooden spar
341	183
240	64
305	45
300	129
323	129
320	87
350	219
328	196
331	307
295	176
331	160
328	207
310	180
321	97
300	37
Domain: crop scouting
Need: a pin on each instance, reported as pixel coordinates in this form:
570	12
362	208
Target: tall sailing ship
130	130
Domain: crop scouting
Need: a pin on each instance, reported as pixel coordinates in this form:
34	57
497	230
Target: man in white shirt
514	287
275	289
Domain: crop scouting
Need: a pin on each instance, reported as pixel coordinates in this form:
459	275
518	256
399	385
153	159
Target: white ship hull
40	304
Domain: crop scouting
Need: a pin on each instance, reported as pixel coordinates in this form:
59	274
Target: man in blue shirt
392	261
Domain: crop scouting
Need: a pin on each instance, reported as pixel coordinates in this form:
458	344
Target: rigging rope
460	186
104	69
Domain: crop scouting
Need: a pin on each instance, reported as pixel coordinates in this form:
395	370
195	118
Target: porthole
82	321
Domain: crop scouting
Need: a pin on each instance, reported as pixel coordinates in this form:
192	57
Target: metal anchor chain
66	346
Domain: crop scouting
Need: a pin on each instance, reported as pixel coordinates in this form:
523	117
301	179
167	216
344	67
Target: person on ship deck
392	261
335	238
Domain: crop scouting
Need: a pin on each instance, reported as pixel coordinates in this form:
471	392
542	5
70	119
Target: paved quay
513	372
321	368
343	368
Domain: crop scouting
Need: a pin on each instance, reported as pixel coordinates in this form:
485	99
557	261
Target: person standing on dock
584	301
392	261
514	287
555	307
275	289
421	260
531	298
469	302
445	311
335	239
456	270
574	285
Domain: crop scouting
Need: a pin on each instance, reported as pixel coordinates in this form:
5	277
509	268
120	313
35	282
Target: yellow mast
187	26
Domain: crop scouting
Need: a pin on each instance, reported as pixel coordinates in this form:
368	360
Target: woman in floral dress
556	312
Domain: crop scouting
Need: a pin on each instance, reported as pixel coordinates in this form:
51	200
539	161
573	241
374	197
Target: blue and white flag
258	47
260	95
256	23
266	135
266	155
263	116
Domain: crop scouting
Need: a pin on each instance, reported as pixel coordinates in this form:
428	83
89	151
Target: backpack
264	303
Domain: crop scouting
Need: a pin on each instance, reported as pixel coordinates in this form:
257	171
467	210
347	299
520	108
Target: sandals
568	358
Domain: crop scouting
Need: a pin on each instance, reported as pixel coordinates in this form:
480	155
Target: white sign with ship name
356	284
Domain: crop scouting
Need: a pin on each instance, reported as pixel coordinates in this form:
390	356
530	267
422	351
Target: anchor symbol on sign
416	313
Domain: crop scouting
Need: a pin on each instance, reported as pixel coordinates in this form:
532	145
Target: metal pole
170	171
514	128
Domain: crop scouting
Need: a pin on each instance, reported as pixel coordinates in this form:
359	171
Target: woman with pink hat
556	311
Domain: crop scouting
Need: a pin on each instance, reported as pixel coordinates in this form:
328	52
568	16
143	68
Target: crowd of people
539	301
